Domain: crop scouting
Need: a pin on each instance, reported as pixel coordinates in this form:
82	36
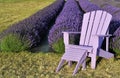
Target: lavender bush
35	27
116	16
109	8
69	19
115	11
114	25
115	40
87	6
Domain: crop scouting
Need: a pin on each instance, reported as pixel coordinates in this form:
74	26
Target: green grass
12	11
42	65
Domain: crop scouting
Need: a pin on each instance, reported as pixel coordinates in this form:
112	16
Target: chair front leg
93	59
93	62
60	65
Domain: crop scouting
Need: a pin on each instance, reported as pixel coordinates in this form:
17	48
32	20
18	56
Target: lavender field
31	42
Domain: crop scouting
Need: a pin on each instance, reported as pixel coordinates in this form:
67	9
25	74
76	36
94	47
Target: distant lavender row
70	19
114	26
115	23
109	8
87	6
115	11
35	27
115	41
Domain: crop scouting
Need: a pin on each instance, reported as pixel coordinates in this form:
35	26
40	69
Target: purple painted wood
94	28
78	56
95	23
105	54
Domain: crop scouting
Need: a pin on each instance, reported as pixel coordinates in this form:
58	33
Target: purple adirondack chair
94	30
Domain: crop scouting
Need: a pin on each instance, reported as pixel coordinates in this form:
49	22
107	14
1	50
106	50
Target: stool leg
84	65
70	63
60	65
84	62
76	68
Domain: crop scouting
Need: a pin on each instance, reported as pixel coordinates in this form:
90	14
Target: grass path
43	65
12	11
44	46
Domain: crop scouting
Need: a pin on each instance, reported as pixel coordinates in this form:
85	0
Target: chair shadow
88	61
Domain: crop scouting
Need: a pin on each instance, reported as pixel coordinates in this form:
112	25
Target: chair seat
77	55
71	47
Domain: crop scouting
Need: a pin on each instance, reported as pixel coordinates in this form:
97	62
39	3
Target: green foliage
13	43
59	46
114	45
117	51
17	0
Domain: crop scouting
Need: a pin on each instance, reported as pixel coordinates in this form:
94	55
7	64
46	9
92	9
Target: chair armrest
66	36
109	35
107	39
71	32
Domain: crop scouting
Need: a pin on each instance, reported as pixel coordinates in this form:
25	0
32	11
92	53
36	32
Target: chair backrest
94	23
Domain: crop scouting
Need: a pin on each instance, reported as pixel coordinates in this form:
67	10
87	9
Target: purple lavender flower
70	19
87	6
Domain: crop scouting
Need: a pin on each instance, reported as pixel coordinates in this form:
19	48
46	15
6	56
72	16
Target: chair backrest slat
106	23
102	22
94	23
84	27
88	33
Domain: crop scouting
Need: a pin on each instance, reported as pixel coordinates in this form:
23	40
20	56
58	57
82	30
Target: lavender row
35	27
114	25
109	8
70	19
115	40
87	6
115	11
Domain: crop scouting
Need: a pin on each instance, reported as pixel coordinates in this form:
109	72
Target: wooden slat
88	48
105	27
96	22
74	55
101	23
88	34
95	25
106	24
101	26
105	54
84	28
